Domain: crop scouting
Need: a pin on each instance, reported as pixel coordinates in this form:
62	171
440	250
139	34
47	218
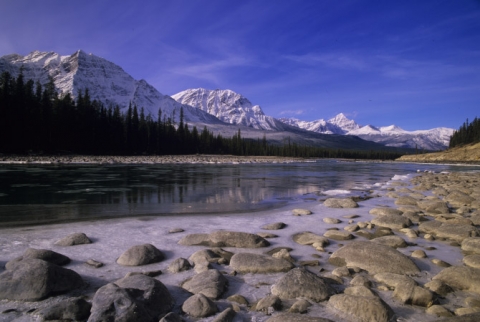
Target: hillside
467	153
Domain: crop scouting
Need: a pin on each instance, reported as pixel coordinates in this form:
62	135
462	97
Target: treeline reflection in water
39	194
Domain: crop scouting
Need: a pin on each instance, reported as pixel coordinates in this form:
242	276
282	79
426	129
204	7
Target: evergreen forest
466	134
34	119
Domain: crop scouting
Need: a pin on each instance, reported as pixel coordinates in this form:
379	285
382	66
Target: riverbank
153	159
468	154
396	245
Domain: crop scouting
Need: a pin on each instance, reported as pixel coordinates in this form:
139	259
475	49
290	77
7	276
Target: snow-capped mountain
105	81
394	136
228	106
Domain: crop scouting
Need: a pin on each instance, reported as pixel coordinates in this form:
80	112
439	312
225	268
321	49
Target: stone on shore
257	263
43	254
140	255
392	221
171	317
374	258
179	265
382	211
392	241
74	239
460	278
133	298
292	317
225	239
471	245
269	304
330	220
72	309
340	203
433	206
210	283
308	238
362	309
300	283
33	279
301	212
459	198
300	306
472	260
338	235
199	306
274	226
406	289
456	232
226	315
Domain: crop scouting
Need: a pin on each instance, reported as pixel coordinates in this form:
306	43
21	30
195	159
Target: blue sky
415	63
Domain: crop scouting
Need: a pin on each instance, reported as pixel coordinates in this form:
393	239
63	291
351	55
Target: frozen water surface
203	199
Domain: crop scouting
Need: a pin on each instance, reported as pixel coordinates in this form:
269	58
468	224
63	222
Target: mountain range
222	111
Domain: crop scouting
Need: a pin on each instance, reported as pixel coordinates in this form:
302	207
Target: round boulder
362	309
140	255
210	283
199	306
74	239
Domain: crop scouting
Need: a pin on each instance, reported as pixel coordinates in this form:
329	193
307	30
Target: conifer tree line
466	134
34	119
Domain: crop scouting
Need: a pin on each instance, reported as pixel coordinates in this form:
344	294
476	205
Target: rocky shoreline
152	159
409	252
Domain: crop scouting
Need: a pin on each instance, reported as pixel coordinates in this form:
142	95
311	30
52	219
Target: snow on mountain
394	136
228	106
105	81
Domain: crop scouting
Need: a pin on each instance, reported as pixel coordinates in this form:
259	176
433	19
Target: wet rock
274	226
179	265
360	280
43	254
440	263
225	316
338	235
447	230
471	245
392	221
433	206
74	239
340	203
351	228
406	200
382	211
406	289
225	239
134	298
301	283
373	257
140	255
300	306
238	299
341	271
94	263
459	198
301	212
269	304
171	317
474	317
460	278
267	235
257	263
472	260
438	310
199	306
392	241
210	283
176	230
34	279
438	287
330	220
308	238
73	309
362	291
361	309
283	254
418	253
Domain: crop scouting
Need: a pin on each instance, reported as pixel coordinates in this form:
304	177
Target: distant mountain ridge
223	111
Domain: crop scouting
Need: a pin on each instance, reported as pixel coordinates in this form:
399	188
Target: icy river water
39	194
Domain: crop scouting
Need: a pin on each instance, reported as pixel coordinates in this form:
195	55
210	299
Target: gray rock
74	239
133	298
406	289
238	299
392	241
34	279
359	290
338	235
94	263
474	317
438	287
225	239
301	212
392	221
274	226
43	254
406	200
292	317
340	203
438	310
459	198
140	255
456	232
301	283
225	316
257	263
362	309
381	211
179	265
472	260
199	306
269	304
330	220
460	278
300	306
360	280
433	206
471	245
73	309
210	283
373	257
308	238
